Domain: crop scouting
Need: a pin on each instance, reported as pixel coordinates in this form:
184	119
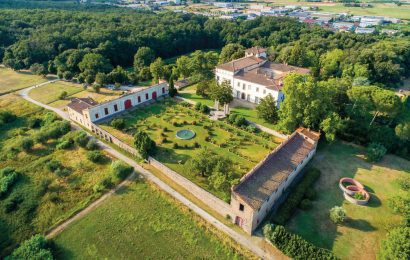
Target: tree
331	125
230	52
157	69
202	164
143	58
36	247
222	93
63	95
39	69
183	66
267	109
172	91
330	63
118	123
27	144
101	79
403	131
144	144
118	75
396	245
337	214
306	103
68	75
93	63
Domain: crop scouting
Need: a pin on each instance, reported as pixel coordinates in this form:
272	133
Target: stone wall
209	199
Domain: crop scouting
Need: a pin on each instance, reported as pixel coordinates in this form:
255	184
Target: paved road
254	244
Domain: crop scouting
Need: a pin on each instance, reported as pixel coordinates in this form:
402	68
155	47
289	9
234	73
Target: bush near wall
293	245
289	206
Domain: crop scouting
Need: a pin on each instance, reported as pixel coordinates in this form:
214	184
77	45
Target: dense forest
95	46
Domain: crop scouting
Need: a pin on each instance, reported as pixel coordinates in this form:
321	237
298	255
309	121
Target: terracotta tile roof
309	133
79	104
259	184
255	50
270	74
241	63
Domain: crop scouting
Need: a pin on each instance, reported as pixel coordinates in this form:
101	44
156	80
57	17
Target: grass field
360	236
244	149
11	80
389	10
140	222
40	198
248	113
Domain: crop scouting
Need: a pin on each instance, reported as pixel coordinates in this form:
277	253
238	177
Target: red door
127	104
154	95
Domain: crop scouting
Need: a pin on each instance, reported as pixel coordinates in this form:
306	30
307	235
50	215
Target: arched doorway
243	95
127	104
154	95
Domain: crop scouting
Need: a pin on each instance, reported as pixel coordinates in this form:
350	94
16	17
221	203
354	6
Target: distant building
223	4
343	26
389	31
370	21
365	30
261	190
253	77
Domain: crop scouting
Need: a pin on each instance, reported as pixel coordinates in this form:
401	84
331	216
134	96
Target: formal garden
166	121
47	172
323	217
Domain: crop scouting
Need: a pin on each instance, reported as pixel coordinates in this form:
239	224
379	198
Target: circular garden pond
185	134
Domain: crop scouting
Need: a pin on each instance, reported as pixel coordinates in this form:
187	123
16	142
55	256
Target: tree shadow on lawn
360	224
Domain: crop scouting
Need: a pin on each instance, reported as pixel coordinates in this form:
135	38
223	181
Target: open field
40	198
248	113
389	10
11	80
360	236
140	222
163	119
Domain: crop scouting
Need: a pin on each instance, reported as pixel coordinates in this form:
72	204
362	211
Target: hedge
293	245
289	206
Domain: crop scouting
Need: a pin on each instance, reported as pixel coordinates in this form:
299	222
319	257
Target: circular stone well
185	134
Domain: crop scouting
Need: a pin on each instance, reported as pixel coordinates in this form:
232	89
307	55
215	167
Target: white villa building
253	77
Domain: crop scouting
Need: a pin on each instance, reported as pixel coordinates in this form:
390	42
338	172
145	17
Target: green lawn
50	93
249	113
388	9
140	222
360	236
244	149
41	198
11	80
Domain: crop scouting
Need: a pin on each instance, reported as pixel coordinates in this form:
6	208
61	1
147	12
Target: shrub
53	165
400	205
175	146
251	129
185	104
232	118
375	152
97	188
305	204
57	129
204	109
8	176
196	145
337	214
118	123
36	247
295	197
240	121
92	144
358	196
26	144
396	245
293	245
107	183
120	170
144	144
62	172
198	106
81	138
6	117
34	122
95	156
63	95
66	144
404	183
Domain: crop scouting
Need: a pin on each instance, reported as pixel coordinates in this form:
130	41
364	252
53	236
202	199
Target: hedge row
289	206
293	245
8	177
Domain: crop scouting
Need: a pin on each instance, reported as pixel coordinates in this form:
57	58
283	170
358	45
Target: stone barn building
258	191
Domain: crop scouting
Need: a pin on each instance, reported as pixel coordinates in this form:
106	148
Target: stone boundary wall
209	199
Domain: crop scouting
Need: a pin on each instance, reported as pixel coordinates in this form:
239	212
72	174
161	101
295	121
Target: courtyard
163	119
